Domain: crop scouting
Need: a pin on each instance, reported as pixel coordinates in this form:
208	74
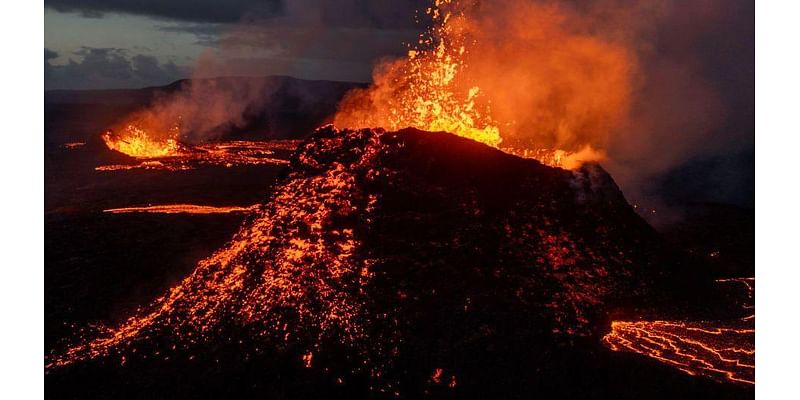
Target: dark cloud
340	39
378	14
207	34
182	10
314	39
49	55
103	68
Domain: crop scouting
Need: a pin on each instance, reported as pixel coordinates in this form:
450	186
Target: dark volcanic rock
417	262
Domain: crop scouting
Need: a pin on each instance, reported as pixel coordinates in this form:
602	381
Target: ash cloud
644	85
317	39
693	100
655	84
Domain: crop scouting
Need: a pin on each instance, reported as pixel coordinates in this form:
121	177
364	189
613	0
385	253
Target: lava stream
182	209
721	350
225	154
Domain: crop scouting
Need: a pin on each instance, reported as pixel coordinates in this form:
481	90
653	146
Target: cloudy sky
92	44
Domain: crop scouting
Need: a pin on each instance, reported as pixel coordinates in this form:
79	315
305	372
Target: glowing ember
721	350
181	209
423	90
136	142
73	145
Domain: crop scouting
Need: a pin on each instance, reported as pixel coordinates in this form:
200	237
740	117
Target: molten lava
181	209
136	142
423	90
225	154
721	350
433	89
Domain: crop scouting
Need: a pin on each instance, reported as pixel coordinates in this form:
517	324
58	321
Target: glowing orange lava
181	209
135	141
423	90
558	158
291	233
721	350
427	90
225	154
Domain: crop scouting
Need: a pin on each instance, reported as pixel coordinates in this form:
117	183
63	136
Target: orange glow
559	158
134	141
551	89
225	154
181	209
437	376
721	350
291	228
424	90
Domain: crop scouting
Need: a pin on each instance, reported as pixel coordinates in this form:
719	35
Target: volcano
411	263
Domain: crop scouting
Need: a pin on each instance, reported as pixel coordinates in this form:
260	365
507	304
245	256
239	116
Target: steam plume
627	82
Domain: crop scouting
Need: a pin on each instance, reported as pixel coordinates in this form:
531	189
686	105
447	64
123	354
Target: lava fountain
423	90
436	88
137	141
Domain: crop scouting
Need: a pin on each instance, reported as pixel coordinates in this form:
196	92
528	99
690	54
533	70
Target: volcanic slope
411	261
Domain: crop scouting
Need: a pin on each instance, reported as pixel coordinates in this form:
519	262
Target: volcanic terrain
410	264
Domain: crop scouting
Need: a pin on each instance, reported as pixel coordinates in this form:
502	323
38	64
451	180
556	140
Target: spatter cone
406	256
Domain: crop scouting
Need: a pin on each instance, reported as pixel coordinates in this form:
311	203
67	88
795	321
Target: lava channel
182	209
720	350
225	154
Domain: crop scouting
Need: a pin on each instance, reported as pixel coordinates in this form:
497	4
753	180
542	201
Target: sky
101	44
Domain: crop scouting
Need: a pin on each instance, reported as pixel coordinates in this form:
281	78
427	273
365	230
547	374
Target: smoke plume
637	84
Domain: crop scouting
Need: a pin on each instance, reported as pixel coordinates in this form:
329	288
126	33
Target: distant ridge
290	108
146	94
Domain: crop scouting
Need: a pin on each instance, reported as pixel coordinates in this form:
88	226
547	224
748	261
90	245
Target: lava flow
721	350
181	209
178	157
224	288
